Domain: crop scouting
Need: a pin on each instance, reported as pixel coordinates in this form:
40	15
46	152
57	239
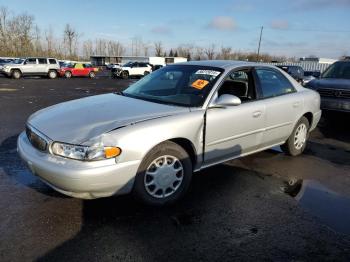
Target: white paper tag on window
208	72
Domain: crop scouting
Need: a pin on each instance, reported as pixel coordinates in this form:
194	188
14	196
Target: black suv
334	87
297	72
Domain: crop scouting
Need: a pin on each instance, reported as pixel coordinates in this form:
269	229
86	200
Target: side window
31	61
239	83
273	83
52	61
42	61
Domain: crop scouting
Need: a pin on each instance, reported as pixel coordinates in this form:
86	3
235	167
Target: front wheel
296	143
92	74
125	75
164	175
68	74
16	74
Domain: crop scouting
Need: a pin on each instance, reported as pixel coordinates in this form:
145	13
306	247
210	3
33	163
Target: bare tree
70	40
225	53
210	51
158	47
199	53
49	41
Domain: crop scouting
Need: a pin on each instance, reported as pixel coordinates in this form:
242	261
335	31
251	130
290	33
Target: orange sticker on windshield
199	84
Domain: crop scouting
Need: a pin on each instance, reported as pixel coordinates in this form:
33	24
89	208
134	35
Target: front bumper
77	178
335	104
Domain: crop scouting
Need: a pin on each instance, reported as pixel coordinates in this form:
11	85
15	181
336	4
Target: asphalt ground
239	210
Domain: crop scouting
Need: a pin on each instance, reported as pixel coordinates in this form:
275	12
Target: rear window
42	61
52	61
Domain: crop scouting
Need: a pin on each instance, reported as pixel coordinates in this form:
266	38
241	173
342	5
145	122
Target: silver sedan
180	119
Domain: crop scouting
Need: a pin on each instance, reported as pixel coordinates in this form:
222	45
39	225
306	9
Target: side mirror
227	100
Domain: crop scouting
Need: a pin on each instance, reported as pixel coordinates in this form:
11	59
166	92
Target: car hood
80	120
331	83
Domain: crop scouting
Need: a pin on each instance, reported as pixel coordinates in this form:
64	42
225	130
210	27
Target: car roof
224	64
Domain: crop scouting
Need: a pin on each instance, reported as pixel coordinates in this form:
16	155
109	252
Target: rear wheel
68	74
296	143
164	175
92	74
125	74
52	74
16	74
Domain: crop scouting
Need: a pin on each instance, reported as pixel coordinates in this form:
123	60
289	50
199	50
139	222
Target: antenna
261	31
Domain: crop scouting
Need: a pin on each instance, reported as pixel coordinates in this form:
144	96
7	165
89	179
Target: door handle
296	104
257	113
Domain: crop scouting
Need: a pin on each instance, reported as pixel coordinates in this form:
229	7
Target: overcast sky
292	28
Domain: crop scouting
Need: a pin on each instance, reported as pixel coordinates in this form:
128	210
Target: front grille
334	93
36	141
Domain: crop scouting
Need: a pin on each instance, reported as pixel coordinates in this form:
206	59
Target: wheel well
14	69
309	117
189	148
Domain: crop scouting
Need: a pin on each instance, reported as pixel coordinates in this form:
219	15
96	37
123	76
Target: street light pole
261	31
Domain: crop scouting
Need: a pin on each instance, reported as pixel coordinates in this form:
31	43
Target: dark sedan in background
334	87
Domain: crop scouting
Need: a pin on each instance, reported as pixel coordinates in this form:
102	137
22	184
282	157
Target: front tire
296	143
67	74
164	175
16	74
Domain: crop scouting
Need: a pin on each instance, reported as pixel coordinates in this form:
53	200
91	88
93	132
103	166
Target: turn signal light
112	152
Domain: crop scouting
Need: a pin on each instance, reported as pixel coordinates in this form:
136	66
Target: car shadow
335	125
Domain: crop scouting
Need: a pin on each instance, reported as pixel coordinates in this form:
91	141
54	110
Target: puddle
331	208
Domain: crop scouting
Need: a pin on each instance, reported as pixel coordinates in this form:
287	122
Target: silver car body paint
136	126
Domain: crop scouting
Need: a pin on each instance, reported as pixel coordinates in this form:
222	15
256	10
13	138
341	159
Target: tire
163	184
67	74
92	74
52	74
125	74
296	143
16	74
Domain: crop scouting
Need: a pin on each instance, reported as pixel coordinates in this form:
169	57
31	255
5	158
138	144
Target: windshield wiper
120	93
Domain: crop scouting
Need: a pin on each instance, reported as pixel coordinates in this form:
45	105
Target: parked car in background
296	72
78	69
310	75
150	138
33	66
334	87
113	65
132	69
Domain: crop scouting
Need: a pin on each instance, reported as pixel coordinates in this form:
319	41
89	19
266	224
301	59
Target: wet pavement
244	209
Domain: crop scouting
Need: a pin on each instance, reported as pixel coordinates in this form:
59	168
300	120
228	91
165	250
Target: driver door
234	130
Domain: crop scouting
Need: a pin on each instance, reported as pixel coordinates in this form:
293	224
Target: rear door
78	69
42	66
283	105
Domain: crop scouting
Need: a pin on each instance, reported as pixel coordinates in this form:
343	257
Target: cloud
223	23
279	24
161	30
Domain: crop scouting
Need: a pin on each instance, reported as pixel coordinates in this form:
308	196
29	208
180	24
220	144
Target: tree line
20	36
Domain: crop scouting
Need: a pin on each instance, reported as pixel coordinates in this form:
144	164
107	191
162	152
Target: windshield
18	61
338	70
128	64
185	85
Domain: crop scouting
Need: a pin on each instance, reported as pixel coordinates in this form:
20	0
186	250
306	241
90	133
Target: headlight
85	153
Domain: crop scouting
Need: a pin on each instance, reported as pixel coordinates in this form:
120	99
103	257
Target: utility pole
261	31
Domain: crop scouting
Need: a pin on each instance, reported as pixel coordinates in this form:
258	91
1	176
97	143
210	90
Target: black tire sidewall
289	146
14	72
125	75
68	74
166	148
